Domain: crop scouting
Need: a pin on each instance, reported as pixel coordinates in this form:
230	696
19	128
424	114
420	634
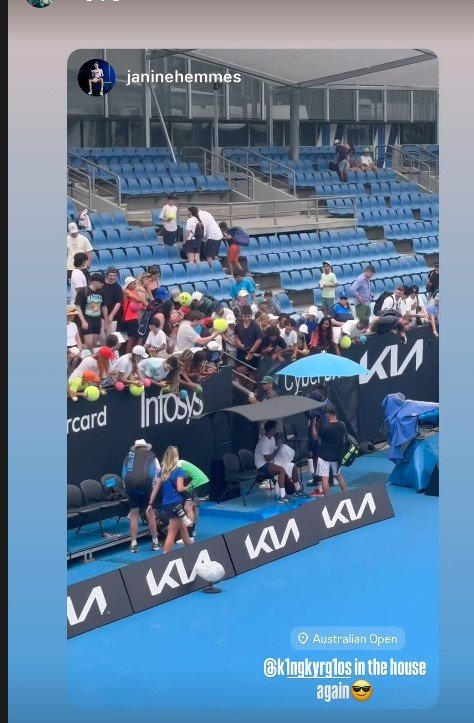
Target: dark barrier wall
412	369
100	433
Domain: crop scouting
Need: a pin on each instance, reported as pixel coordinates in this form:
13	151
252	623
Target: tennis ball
345	342
198	389
146	383
183	393
171	214
136	390
184	298
92	394
220	325
119	386
362	338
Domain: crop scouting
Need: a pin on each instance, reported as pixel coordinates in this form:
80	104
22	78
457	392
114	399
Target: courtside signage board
96	602
262	542
357	508
166	577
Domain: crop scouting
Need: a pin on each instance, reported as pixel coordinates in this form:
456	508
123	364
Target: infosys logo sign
169	408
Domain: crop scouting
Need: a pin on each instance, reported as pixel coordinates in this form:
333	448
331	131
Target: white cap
312	311
243	292
72	228
213	346
336	141
140	351
175	292
272	317
196	296
128	281
303	328
229	316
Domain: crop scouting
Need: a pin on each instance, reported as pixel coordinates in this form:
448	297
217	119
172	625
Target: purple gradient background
40	43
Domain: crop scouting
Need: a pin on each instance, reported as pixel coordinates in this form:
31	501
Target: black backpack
379	303
349	450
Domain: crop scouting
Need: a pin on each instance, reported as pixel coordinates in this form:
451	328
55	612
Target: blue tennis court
384	574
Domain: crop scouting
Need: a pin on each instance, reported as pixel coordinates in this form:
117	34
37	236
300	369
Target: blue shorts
432	310
139	498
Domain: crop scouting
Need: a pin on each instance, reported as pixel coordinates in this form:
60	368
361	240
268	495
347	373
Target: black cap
98	277
172	196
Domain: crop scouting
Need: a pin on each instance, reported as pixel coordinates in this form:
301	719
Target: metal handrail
212	160
230	208
93	174
406	163
271	161
83	177
431	157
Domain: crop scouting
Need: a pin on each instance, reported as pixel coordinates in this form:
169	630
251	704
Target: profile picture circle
40	3
96	77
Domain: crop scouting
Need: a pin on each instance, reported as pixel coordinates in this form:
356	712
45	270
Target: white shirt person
97	77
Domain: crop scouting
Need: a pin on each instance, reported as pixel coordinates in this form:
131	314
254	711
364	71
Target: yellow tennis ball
220	325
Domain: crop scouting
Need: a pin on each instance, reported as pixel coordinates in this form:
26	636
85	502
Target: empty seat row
107	219
155	186
340	189
276	262
137	170
426	245
410	200
402	231
388	188
111	238
372	218
430	211
304	240
381	174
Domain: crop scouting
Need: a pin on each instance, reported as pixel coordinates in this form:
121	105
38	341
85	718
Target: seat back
74	497
231	465
92	490
247	461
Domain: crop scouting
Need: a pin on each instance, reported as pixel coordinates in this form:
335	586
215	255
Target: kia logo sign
357	508
345	511
96	602
393	368
169	576
262	542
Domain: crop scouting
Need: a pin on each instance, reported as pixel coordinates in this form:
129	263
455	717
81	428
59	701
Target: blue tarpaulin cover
402	416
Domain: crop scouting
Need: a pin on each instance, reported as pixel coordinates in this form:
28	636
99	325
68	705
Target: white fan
211	572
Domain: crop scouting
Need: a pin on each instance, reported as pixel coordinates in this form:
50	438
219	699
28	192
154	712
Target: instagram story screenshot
235	432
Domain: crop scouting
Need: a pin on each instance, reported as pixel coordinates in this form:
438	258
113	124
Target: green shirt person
197	476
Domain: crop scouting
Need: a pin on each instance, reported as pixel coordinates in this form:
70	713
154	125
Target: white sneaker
89	93
265	485
101	92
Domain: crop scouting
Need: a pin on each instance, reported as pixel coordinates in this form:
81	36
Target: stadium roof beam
326	80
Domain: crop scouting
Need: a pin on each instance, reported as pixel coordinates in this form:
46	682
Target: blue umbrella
323	365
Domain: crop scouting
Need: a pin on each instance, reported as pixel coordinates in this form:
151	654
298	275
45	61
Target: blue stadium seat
284	303
253	264
120	219
113	238
212	184
172	254
284	260
275	264
306	261
99	240
194	169
295	241
285	242
138	235
126	238
189	185
156	188
201	183
275	245
264	264
180	274
146	256
295	261
119	258
264	244
133	187
168	186
286	282
205	271
167	275
316	258
314	240
225	287
150	234
133	257
222	184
